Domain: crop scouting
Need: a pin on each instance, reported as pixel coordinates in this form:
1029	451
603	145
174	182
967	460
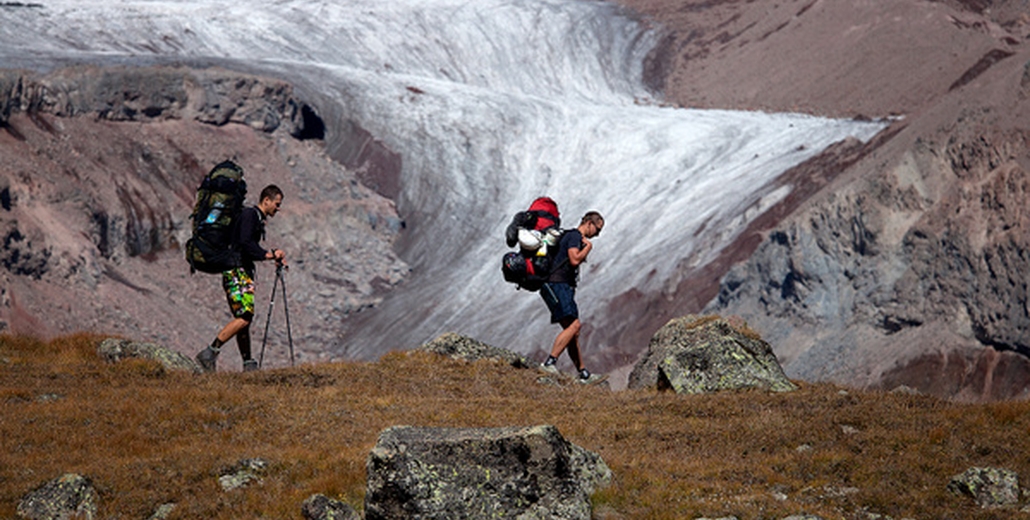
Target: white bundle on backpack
530	239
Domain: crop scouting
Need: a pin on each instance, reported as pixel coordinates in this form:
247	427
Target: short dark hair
594	217
270	192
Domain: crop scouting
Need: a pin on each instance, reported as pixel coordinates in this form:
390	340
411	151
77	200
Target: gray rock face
450	473
990	487
694	354
69	496
24	252
114	350
213	96
462	347
923	259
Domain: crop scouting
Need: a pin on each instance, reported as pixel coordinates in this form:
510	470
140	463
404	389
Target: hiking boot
592	379
549	369
250	365
207	358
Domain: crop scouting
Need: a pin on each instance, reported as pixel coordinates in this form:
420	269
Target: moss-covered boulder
463	347
989	487
700	354
321	507
115	349
68	496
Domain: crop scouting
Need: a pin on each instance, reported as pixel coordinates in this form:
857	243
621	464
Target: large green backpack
212	248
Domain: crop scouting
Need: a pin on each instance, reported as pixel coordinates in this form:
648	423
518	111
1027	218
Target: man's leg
239	292
560	300
232	328
243	343
573	348
569	336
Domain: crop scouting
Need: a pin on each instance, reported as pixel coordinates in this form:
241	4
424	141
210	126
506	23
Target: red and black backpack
526	270
541	216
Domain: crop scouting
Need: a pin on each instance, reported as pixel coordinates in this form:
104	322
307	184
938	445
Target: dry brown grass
147	436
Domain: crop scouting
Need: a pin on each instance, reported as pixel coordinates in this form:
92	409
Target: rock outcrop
456	346
700	354
242	474
481	473
68	496
115	349
321	507
990	487
145	94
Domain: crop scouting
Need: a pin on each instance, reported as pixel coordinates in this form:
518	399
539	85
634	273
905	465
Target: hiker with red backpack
559	293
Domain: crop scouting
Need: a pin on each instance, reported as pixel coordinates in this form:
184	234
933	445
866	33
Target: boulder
243	474
163	511
114	350
990	487
513	472
68	496
462	347
321	507
699	354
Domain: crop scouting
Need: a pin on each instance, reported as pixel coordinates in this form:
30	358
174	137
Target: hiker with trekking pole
243	229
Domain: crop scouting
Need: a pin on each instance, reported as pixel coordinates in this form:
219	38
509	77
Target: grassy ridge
146	436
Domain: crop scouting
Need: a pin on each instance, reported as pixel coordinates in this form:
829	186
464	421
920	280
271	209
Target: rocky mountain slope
100	171
908	265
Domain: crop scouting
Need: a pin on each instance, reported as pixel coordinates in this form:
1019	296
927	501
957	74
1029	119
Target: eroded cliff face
100	171
912	271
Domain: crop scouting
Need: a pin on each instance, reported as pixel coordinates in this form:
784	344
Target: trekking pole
286	309
271	303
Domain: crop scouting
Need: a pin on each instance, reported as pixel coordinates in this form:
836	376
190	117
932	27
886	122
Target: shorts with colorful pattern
239	290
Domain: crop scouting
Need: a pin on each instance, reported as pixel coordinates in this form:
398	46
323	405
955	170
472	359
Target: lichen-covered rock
242	474
990	487
695	354
69	496
114	350
463	347
321	507
525	473
163	511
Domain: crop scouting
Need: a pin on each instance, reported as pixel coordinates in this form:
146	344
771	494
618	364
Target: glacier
490	104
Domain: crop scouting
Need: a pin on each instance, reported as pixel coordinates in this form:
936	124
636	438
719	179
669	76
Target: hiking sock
243	342
584	373
216	345
550	361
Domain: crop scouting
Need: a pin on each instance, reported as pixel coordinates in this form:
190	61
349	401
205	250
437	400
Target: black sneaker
207	359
